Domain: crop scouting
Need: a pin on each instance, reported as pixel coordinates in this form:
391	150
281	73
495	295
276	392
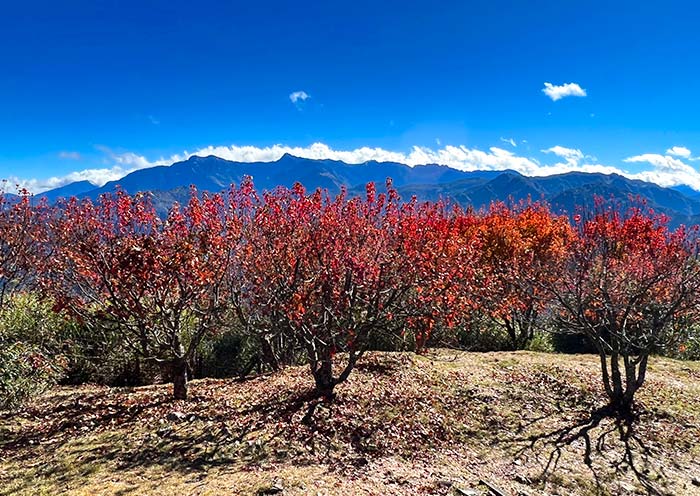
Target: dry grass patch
403	424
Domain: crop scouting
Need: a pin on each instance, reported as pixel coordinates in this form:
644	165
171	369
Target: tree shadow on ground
605	434
295	428
109	411
99	430
77	416
378	368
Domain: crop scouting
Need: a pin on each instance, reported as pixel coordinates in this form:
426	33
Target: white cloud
69	155
666	170
564	152
662	162
120	164
299	96
575	160
95	176
679	151
510	141
459	157
572	156
561	91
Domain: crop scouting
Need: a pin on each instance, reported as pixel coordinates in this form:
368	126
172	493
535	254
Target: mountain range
565	192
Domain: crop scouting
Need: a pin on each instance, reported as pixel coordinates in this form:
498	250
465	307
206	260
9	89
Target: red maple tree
158	283
631	285
523	247
23	233
322	272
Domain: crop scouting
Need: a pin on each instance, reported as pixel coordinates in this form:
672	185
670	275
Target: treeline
235	283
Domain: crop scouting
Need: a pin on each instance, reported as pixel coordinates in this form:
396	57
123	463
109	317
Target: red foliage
322	272
631	287
157	282
23	231
523	249
441	246
307	273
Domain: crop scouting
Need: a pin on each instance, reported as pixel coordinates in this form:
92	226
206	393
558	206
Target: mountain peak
288	157
68	190
198	158
427	182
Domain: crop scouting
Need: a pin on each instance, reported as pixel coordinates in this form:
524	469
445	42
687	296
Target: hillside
446	423
566	192
72	189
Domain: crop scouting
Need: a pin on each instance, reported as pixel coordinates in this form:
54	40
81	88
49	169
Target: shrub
230	354
572	343
100	355
541	342
34	344
631	286
480	334
158	279
689	349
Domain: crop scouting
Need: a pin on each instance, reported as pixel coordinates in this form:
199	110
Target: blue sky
94	89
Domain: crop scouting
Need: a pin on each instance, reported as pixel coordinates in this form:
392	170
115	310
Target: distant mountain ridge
72	189
565	192
215	174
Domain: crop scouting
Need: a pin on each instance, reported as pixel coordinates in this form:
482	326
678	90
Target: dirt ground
449	422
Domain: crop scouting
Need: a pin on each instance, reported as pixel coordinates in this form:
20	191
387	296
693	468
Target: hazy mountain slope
72	189
427	182
216	174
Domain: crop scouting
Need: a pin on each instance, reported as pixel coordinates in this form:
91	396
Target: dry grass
403	424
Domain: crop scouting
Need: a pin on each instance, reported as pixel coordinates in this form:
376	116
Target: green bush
25	370
34	344
542	342
571	343
480	334
392	340
229	354
689	349
100	355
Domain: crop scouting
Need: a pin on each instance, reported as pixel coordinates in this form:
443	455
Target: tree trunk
604	371
179	378
323	376
512	334
621	393
520	330
635	371
268	353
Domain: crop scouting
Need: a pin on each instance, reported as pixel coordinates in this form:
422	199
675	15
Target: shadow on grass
277	430
71	417
268	430
90	430
595	432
